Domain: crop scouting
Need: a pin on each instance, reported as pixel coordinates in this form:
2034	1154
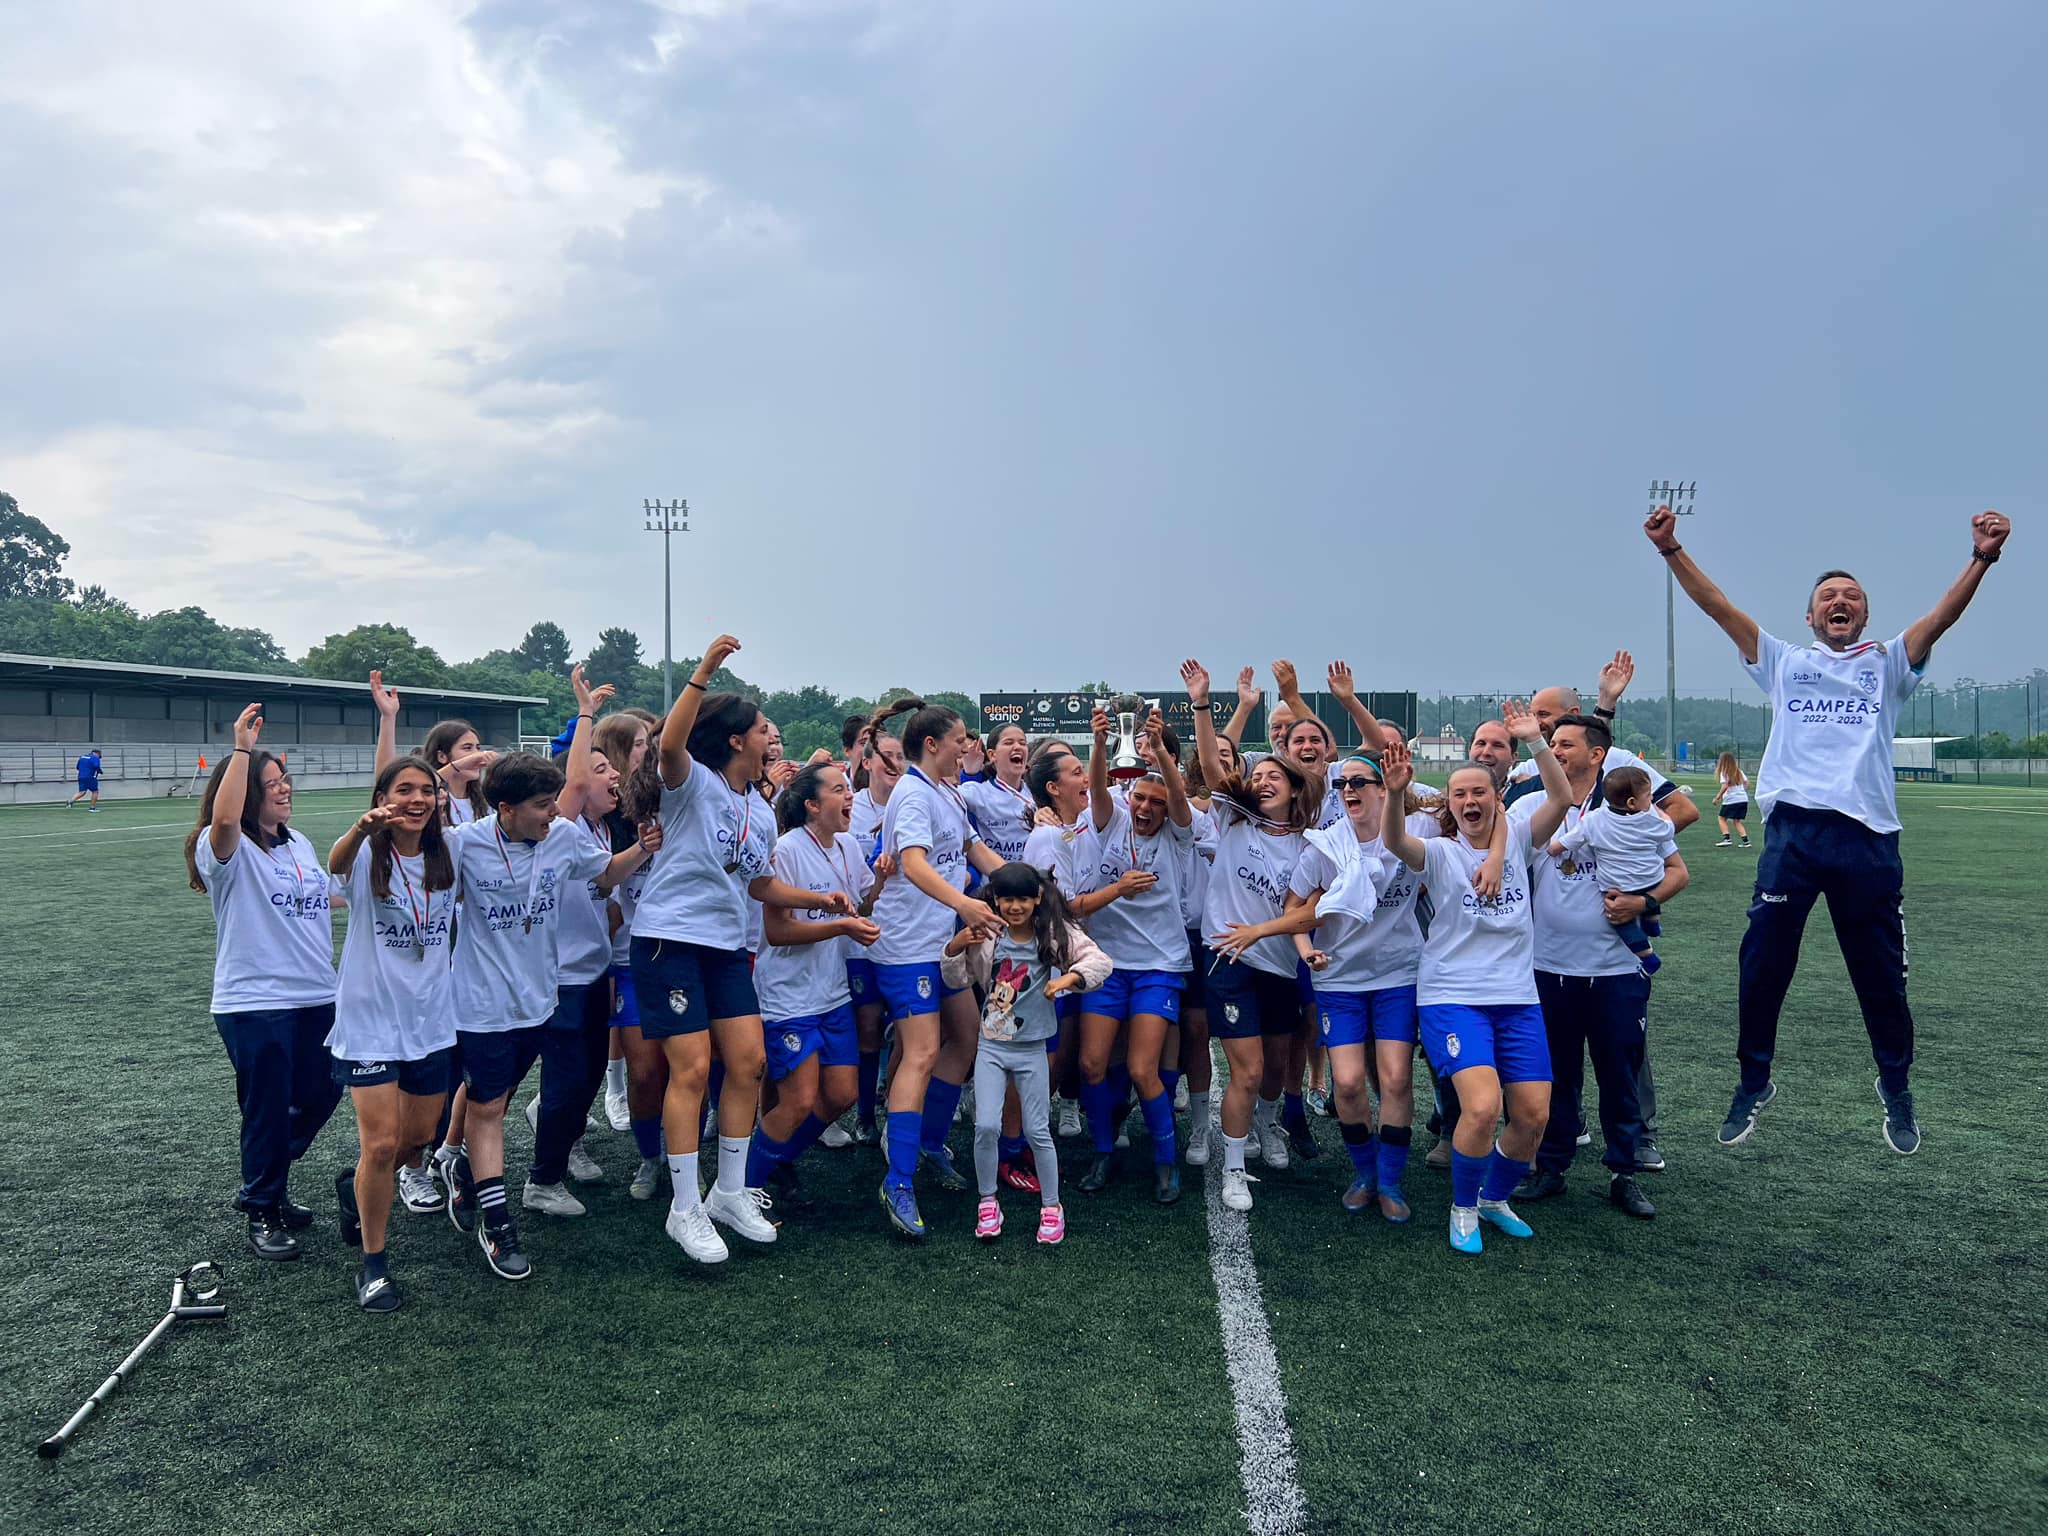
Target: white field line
101	837
1993	810
1274	1502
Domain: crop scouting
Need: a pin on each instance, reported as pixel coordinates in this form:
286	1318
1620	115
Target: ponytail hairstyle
1304	802
433	847
930	721
439	749
878	727
613	736
1039	774
720	717
252	829
1051	921
793	806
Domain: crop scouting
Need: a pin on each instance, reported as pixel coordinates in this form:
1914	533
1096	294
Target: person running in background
1827	779
88	781
1732	799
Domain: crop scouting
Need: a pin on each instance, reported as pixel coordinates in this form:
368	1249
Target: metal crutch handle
205	1279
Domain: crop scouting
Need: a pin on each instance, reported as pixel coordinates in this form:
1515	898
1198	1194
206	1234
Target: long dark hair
934	721
792	806
439	750
720	717
878	727
252	829
433	847
1051	921
1304	805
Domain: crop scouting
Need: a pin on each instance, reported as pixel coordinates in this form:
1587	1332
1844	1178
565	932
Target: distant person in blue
88	781
1830	811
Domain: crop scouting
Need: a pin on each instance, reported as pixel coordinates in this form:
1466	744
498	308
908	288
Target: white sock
682	1173
732	1164
615	1076
1269	1111
1233	1153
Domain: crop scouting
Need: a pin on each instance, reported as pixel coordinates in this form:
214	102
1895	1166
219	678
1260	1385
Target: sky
1007	346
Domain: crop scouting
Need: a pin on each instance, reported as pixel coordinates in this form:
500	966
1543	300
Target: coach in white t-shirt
1830	814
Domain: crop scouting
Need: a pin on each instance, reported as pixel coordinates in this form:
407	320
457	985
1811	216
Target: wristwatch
1603	712
1988	559
1651	906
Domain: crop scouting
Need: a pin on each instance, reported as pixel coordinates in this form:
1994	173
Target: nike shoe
378	1295
865	1133
939	1165
693	1233
461	1191
1901	1130
416	1187
988	1219
1649	1159
1465	1230
1052	1224
835	1137
617	1112
1726	842
1502	1215
583	1167
1742	1113
1273	1145
1197	1154
500	1243
550	1200
646	1179
1237	1189
743	1210
1303	1141
1180	1097
901	1204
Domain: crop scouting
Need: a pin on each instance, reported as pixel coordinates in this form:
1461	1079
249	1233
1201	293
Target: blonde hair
1729	769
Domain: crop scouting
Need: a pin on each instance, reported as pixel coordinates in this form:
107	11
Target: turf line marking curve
1274	1502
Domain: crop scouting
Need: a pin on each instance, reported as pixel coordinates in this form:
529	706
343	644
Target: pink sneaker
988	1222
1052	1223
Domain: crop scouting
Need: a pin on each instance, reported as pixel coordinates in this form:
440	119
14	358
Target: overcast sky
1005	345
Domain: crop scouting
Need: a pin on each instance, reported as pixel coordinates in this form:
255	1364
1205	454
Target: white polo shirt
1831	727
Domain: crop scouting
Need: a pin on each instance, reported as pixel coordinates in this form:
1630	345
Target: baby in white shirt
1629	839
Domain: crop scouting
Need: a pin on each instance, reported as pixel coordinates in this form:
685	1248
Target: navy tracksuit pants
1809	854
1605	1017
573	1048
284	1083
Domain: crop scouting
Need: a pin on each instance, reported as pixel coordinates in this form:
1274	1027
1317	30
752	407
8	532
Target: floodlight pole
1677	498
666	518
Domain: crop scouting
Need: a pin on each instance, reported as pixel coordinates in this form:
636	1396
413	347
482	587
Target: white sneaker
1273	1144
1198	1146
550	1199
1180	1097
1252	1151
416	1187
583	1167
742	1211
1237	1189
533	1114
836	1136
646	1179
616	1112
1123	1141
693	1230
1070	1118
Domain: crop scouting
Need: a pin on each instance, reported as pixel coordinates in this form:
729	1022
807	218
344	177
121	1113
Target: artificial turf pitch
1814	1335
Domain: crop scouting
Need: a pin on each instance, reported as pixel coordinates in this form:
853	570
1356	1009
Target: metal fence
53	763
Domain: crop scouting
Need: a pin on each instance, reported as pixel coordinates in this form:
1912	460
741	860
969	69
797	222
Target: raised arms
682	715
1988	532
1662	528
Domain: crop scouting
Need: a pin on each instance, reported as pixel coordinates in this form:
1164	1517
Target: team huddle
720	941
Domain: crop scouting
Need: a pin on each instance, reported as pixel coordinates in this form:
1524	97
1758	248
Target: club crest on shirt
678	1001
792	1042
1451	1046
924	988
1326	1024
1230	1013
1867	681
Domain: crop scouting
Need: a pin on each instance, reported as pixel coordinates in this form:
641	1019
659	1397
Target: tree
31	555
614	658
545	649
405	662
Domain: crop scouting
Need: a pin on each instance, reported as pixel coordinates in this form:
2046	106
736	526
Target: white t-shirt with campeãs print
1832	714
395	1001
690	895
507	959
275	924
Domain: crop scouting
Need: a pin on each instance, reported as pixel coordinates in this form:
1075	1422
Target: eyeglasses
1357	781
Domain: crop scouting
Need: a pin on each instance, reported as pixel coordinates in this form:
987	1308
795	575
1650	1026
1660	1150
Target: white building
1438	750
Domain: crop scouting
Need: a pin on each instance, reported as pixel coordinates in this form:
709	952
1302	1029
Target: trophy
1130	713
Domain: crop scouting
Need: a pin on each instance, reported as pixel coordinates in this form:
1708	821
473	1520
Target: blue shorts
1125	993
1194	992
689	985
1245	1003
422	1079
625	1006
1508	1037
496	1062
828	1036
87	783
909	990
1353	1018
861	985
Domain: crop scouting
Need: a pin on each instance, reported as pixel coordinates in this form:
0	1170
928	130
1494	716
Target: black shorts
422	1079
1736	812
1194	992
682	987
495	1062
1244	1003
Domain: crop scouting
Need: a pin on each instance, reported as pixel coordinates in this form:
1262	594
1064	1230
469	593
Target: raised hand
248	726
585	703
377	816
1988	531
1341	686
1397	767
1662	528
1155	730
1615	678
1284	678
1098	722
386	699
974	758
1195	678
1521	724
716	653
1248	691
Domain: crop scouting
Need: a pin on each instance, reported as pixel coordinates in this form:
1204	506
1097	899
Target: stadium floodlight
665	518
1680	498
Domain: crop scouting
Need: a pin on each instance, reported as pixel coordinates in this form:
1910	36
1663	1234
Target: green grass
1815	1335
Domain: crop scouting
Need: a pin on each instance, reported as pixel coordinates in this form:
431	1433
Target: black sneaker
269	1240
789	1189
1626	1194
294	1216
461	1193
1742	1113
1098	1177
1303	1140
1541	1184
500	1243
1901	1130
378	1295
1165	1183
866	1133
1649	1159
351	1218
